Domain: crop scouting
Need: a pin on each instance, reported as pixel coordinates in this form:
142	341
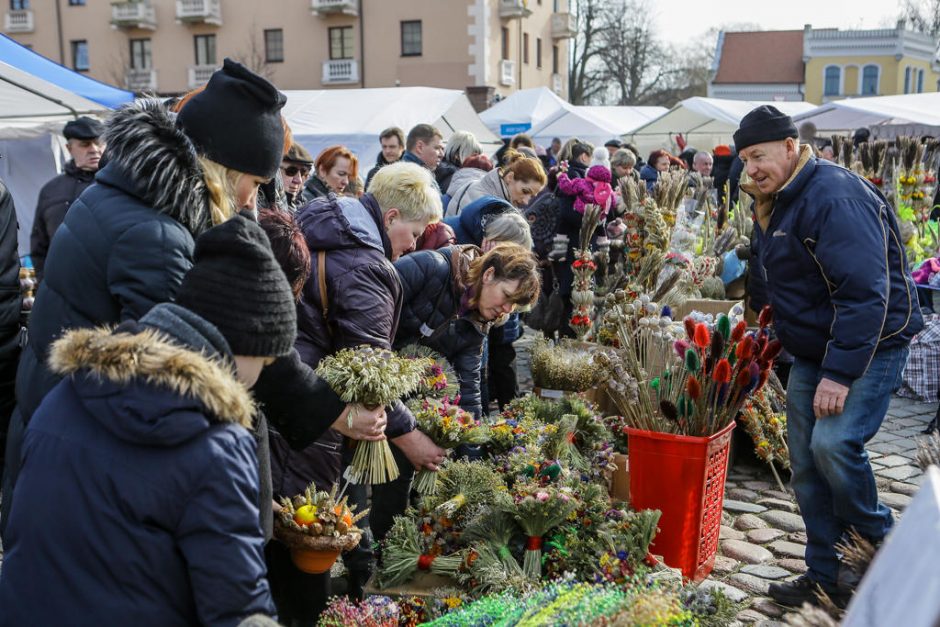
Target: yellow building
852	63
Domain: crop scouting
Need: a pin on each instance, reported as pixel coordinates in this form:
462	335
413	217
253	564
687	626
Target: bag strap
321	281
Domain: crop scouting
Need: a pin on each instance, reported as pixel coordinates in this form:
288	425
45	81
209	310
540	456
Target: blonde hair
508	227
410	189
221	183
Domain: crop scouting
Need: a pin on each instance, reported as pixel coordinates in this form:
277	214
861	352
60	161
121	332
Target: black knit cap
764	124
238	285
236	121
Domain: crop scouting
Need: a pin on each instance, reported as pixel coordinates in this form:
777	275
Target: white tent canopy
355	117
593	124
885	116
522	111
704	122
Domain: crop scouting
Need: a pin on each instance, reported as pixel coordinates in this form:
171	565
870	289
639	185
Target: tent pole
41	95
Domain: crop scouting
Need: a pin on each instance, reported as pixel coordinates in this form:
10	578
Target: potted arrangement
317	528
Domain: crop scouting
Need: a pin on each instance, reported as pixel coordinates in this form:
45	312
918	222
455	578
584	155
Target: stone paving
763	538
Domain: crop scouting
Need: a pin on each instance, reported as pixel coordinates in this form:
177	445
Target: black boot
804	590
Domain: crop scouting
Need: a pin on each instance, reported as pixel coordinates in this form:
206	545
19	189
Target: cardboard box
620	486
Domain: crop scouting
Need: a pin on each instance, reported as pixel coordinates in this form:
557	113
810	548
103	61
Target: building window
274	45
19	5
870	80
341	42
525	48
80	55
505	44
140	54
554	59
76	3
538	52
920	81
411	41
555	8
833	81
907	80
205	49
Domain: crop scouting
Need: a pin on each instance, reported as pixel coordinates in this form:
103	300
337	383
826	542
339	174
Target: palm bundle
462	486
448	426
372	377
405	552
440	381
537	509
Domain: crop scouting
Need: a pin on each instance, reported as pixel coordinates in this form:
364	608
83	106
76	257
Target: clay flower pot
313	561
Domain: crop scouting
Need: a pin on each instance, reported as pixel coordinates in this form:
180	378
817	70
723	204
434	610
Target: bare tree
585	74
633	56
923	16
253	55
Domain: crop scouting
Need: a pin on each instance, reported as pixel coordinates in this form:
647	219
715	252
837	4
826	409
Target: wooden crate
620	485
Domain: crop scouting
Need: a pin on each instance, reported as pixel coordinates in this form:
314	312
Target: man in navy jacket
827	252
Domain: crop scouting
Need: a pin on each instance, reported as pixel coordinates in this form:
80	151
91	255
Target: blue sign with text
508	130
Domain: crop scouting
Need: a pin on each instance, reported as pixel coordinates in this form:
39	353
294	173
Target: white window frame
861	79
841	80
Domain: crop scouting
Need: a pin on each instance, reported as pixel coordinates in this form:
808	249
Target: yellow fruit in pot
305	515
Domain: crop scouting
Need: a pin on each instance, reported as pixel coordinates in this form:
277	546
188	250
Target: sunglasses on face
292	170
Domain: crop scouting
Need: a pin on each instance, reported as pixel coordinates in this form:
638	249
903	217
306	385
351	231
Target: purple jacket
364	303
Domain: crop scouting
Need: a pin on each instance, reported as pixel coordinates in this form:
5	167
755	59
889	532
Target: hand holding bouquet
448	426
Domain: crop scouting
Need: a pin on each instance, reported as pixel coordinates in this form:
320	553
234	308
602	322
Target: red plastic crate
684	478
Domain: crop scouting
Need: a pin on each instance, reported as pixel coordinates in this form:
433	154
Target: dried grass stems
563	366
928	451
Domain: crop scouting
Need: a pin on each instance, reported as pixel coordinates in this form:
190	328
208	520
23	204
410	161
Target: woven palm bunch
295	538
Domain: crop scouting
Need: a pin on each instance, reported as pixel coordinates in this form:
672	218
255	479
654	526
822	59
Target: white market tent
593	124
522	111
355	117
703	122
885	116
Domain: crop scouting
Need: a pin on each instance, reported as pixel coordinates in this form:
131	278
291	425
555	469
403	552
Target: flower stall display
563	366
406	551
316	528
448	426
371	377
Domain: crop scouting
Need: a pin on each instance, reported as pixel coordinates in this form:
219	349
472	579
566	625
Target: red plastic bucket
684	478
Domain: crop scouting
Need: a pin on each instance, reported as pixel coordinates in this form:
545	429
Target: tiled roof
761	57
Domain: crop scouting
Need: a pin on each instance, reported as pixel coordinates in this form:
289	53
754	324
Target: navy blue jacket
431	314
649	175
136	503
834	269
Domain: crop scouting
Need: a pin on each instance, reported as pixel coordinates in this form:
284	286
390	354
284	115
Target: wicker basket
314	554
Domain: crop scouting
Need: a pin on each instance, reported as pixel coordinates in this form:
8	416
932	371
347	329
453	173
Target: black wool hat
613	143
238	285
83	128
764	124
236	121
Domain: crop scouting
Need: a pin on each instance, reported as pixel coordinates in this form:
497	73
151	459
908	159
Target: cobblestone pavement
763	537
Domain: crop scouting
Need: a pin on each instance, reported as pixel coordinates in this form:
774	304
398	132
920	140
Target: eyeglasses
292	170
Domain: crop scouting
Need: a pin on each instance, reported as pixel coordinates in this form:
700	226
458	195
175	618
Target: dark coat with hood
435	314
444	173
141	469
55	197
828	251
363	307
720	172
380	162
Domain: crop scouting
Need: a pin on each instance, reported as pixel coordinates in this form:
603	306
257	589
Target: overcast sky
680	21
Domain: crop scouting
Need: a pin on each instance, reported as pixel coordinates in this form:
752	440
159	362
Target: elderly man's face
703	165
770	164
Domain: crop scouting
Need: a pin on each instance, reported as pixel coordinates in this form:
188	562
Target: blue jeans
832	477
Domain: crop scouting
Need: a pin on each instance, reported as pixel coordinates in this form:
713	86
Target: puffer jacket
434	314
649	175
125	243
141	469
364	302
490	184
827	249
55	197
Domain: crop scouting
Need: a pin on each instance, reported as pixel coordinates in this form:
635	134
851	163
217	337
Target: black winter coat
444	173
364	303
55	198
380	163
10	306
434	314
139	485
314	188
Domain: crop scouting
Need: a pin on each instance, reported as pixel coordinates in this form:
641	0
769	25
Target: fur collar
161	162
151	356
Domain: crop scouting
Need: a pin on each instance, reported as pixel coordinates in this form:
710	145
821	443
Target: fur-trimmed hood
144	386
150	157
